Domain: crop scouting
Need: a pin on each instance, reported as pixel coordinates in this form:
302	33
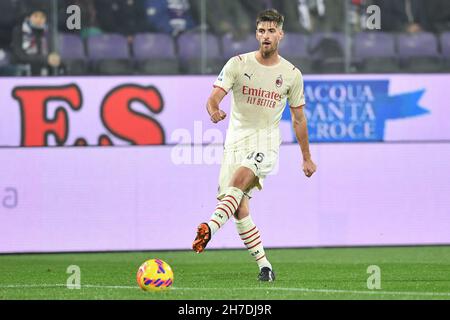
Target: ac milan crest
279	81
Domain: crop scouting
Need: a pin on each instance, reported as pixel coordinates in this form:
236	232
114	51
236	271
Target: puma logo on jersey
248	76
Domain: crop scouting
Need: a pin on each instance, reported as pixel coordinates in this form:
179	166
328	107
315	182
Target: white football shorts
261	162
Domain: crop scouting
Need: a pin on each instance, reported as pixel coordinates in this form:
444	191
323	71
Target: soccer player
261	82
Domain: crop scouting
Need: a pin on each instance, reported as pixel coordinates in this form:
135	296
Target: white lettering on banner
341	111
338	93
333	112
337	130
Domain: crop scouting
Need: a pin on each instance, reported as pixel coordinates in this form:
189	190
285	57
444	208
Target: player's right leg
243	178
251	237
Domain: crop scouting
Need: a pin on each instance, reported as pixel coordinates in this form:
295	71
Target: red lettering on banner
104	140
117	115
125	123
81	142
33	106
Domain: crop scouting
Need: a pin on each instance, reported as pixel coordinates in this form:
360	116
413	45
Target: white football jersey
259	98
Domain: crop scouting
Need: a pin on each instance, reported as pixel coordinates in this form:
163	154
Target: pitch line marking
327	291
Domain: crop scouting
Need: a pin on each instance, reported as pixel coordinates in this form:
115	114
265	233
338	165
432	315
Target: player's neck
267	60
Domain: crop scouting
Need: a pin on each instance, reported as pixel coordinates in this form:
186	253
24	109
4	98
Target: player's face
268	35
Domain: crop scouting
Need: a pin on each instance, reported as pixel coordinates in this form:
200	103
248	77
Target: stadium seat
154	53
109	54
419	52
7	68
72	54
374	52
294	47
327	52
445	48
189	49
233	47
7	21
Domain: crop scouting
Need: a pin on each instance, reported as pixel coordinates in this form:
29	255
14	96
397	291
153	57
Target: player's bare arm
213	105
299	123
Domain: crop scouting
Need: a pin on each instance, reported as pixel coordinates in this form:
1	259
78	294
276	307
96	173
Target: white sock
249	234
226	208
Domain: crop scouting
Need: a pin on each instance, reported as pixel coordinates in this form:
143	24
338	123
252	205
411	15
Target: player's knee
243	178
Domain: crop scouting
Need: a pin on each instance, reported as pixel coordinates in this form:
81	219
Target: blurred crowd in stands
163	36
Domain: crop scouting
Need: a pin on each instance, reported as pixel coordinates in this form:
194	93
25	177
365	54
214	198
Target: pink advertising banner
152	196
93	111
143	198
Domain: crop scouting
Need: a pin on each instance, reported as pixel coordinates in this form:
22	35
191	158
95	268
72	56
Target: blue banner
354	111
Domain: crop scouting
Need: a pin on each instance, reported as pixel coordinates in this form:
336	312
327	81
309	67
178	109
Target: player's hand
309	167
217	116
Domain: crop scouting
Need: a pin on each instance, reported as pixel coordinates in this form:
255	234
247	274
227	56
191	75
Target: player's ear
281	34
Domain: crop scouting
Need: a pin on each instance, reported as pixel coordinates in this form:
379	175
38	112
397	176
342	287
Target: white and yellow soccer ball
155	275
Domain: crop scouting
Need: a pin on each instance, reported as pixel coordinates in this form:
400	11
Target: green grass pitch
328	273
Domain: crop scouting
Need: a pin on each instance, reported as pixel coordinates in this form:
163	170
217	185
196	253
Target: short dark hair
270	15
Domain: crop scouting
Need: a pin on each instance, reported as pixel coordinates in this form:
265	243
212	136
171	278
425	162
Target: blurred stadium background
197	37
110	149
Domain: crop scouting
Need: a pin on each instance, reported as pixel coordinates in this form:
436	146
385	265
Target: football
154	275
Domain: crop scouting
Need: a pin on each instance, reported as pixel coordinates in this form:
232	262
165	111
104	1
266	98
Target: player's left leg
251	237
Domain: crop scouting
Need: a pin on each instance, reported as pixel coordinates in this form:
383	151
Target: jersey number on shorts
259	157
